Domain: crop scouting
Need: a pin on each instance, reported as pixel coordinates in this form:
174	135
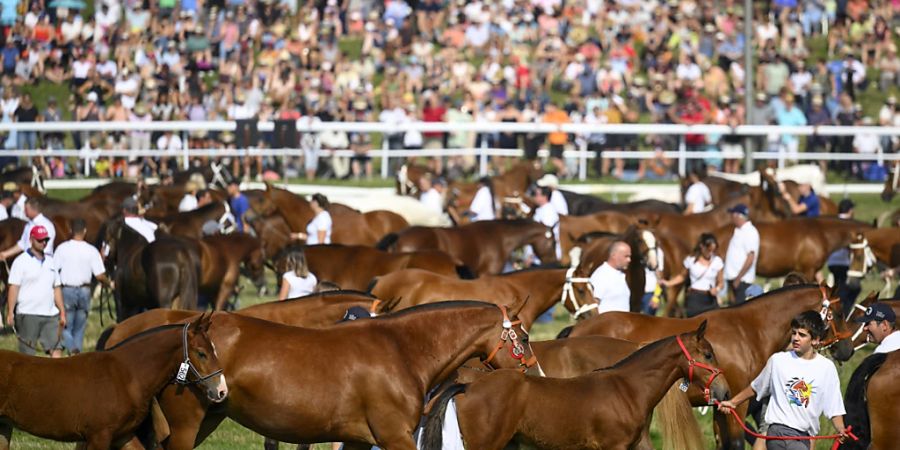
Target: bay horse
892	184
743	336
572	227
540	288
873	402
354	266
351	227
157	275
583	204
189	224
317	310
223	258
512	183
563	413
100	398
407	179
876	244
482	246
382	370
798	244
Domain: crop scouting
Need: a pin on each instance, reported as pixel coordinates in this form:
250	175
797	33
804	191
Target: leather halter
715	371
828	318
869	259
516	350
187	365
568	293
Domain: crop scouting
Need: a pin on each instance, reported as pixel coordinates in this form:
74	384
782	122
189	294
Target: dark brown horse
512	183
351	227
50	397
483	246
876	244
873	403
26	175
743	336
892	184
572	227
382	370
798	244
331	263
312	311
222	258
582	205
539	288
562	413
189	224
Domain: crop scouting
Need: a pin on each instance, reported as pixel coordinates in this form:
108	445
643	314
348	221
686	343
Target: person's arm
838	422
102	278
736	401
747	263
796	207
674	281
58	300
285	287
299	236
11	297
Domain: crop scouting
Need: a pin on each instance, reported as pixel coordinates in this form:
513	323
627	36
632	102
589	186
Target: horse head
892	184
201	363
861	260
700	367
513	348
578	293
254	264
516	206
108	237
838	337
544	244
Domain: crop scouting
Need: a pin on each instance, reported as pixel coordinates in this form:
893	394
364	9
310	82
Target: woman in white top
698	197
482	206
297	281
318	231
704	268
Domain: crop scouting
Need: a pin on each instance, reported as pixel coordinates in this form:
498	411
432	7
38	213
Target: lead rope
835	437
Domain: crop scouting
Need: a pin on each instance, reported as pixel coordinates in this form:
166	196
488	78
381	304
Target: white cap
92	97
548	180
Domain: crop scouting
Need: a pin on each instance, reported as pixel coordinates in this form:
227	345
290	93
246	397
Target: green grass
232	436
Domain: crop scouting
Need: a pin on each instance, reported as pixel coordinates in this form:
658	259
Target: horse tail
387	242
371	285
432	431
855	401
104	337
676	417
565	332
464	272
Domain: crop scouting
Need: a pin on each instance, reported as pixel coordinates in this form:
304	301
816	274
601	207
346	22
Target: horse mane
292	247
788	288
856	400
548	266
439	306
144	333
332	294
637	354
597	235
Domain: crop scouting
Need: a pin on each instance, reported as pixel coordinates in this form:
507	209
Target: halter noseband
188	366
516	350
715	371
828	317
869	259
568	293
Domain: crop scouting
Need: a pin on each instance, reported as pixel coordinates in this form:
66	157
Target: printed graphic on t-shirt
799	391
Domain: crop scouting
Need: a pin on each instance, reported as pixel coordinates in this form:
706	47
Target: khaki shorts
34	330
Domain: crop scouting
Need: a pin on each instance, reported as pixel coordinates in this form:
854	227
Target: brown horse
383	369
744	336
407	179
351	227
512	183
799	244
572	227
540	288
874	245
583	205
873	402
50	397
595	250
221	258
312	311
892	184
331	263
483	246
189	224
562	413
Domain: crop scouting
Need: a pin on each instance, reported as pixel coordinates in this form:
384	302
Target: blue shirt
812	205
239	206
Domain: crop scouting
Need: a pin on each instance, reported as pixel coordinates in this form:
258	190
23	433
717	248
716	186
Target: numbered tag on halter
182	372
683	386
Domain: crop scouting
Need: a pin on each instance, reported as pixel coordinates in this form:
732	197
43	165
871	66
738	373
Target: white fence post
482	157
682	157
582	161
185	145
385	159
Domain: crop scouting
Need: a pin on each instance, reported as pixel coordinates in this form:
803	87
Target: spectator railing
581	154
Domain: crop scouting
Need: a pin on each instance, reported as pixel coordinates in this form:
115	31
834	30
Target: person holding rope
35	304
801	384
35	218
78	261
704	269
318	230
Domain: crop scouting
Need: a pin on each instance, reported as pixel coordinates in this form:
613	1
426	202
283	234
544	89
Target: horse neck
449	337
839	234
543	288
150	361
770	316
650	372
518	234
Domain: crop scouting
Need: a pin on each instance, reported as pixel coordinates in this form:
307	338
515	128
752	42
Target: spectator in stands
865	143
790	115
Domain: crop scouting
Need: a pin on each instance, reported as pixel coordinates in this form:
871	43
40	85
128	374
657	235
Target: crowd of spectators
593	61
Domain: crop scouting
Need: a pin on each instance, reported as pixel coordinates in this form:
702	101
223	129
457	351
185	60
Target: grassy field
232	436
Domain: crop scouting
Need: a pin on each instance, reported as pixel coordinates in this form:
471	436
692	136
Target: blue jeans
27	140
78	304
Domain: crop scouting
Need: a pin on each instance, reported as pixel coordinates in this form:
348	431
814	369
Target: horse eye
708	355
201	354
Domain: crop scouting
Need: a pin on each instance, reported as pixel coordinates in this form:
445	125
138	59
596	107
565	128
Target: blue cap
754	290
878	312
741	209
354	313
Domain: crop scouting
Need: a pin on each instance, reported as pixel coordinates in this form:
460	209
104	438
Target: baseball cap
129	203
741	209
354	313
845	206
39	233
548	180
878	312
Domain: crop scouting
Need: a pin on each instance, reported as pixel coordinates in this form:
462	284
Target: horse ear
702	330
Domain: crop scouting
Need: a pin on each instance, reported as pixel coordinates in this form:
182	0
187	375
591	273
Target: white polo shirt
432	200
890	343
322	221
18	208
744	241
698	196
187	203
610	289
546	214
25	239
482	205
36	280
144	227
559	203
4	214
77	262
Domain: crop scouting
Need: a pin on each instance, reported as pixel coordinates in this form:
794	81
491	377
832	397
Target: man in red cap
35	216
35	302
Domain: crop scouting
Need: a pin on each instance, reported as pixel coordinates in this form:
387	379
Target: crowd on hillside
597	61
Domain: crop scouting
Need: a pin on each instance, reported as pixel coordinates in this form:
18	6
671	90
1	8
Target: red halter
828	318
516	350
693	362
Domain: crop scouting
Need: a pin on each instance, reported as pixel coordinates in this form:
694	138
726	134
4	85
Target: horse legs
226	288
99	441
133	444
6	431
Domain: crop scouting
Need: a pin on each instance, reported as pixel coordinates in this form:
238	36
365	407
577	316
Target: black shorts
361	158
556	151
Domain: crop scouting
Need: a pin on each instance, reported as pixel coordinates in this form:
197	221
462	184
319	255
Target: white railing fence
579	153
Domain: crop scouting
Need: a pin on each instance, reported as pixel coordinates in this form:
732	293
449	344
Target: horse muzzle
217	392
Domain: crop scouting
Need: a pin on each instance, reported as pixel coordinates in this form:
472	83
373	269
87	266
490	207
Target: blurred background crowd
593	61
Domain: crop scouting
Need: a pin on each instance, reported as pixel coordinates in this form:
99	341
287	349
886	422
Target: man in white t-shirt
608	281
546	214
557	199
742	254
35	218
133	220
802	385
482	206
881	326
698	198
432	196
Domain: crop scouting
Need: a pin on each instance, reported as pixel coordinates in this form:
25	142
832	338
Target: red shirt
433	114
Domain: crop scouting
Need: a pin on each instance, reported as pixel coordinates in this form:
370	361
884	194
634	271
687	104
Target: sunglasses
43	241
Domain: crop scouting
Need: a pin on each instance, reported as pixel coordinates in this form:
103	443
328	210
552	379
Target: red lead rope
835	437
